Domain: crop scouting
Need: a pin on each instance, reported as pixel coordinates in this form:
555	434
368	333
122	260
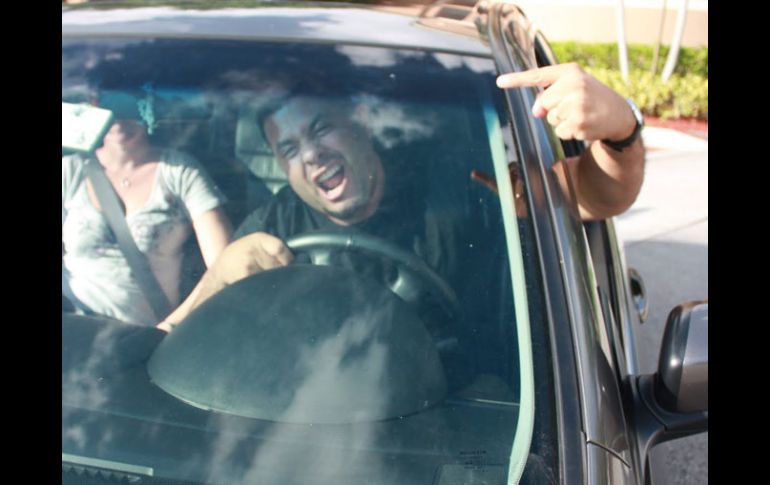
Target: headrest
252	149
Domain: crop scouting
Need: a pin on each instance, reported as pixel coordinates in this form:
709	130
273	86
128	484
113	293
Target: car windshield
394	349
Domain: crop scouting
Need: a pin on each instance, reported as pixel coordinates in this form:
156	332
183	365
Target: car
498	348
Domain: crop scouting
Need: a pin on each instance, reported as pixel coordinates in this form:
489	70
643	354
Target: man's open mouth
332	182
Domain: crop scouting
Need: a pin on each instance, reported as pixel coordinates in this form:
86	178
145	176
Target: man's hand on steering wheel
248	255
244	257
260	251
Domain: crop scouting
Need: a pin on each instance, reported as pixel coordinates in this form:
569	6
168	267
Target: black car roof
316	22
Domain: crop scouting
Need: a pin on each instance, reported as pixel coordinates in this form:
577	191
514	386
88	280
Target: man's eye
288	152
322	130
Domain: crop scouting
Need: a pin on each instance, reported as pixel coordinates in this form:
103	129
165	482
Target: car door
619	290
572	283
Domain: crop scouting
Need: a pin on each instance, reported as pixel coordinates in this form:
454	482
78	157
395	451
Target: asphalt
665	237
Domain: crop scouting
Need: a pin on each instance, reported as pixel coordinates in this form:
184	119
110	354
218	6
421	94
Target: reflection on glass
313	373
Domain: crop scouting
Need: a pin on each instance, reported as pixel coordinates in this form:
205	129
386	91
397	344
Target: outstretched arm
577	105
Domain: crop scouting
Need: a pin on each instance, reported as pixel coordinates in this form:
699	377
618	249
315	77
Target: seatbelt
137	261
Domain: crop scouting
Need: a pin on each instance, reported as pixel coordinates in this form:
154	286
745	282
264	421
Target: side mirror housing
682	382
673	402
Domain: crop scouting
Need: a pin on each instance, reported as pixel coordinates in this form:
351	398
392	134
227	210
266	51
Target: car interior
228	143
221	132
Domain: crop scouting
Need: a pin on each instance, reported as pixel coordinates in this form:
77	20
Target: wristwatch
621	144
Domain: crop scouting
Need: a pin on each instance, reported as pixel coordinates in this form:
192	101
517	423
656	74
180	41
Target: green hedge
685	95
681	97
691	60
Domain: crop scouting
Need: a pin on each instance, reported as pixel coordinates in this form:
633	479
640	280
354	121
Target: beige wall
596	21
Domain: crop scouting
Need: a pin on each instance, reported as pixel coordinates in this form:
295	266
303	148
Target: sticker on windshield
83	126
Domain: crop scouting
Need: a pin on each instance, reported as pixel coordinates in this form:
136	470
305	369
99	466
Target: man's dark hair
301	89
269	109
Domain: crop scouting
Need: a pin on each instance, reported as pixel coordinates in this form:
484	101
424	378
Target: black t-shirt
408	217
453	224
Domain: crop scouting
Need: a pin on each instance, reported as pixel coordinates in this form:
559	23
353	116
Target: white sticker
83	126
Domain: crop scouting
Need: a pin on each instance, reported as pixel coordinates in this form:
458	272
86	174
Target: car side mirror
673	402
682	382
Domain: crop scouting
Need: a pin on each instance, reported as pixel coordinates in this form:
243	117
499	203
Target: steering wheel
361	335
414	280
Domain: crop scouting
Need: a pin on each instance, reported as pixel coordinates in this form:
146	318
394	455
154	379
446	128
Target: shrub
691	60
685	95
681	97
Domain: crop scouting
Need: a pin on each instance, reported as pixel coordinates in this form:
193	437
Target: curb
667	139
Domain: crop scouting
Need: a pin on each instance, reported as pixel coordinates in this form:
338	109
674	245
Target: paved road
665	236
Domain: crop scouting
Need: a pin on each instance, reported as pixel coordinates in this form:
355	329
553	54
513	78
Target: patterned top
95	274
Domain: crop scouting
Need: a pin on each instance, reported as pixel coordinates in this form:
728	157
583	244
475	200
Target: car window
394	349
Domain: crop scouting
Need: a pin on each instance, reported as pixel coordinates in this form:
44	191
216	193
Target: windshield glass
392	349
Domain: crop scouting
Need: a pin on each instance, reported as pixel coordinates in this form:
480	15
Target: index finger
542	76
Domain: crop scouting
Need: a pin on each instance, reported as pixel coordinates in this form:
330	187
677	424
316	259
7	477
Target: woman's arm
248	255
184	308
213	231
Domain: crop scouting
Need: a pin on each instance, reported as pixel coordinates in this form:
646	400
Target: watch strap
619	145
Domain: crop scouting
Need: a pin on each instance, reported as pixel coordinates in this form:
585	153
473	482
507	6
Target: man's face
328	158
